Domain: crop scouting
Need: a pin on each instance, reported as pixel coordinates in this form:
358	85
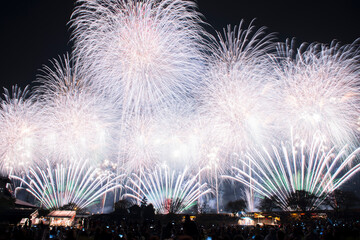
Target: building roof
20	203
62	213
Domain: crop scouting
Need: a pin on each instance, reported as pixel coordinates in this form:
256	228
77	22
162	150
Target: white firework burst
169	137
167	190
236	98
181	131
320	91
80	123
140	143
20	127
142	52
78	183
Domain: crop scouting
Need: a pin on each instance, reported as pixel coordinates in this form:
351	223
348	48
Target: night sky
34	31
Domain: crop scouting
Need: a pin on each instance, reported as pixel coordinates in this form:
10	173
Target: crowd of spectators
186	230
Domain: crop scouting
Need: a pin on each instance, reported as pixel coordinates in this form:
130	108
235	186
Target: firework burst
142	52
282	171
79	122
140	144
235	98
20	131
182	140
320	90
168	138
167	190
77	183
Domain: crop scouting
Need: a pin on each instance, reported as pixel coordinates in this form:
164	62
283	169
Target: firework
140	144
80	123
147	87
167	190
284	170
168	138
236	96
182	138
20	131
77	183
235	99
141	52
320	91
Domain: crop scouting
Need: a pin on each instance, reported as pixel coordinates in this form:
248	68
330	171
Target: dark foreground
103	230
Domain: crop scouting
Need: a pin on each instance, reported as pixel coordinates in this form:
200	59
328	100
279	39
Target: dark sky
34	31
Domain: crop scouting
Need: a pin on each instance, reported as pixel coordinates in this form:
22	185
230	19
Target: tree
236	206
6	203
149	212
70	207
340	200
143	202
135	211
122	206
301	200
173	205
203	208
268	204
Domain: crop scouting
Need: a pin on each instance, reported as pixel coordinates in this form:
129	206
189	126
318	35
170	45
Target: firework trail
144	53
20	131
167	190
283	170
320	90
79	122
78	183
236	96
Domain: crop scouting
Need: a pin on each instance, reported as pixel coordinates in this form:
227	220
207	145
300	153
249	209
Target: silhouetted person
271	235
167	231
280	235
190	228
